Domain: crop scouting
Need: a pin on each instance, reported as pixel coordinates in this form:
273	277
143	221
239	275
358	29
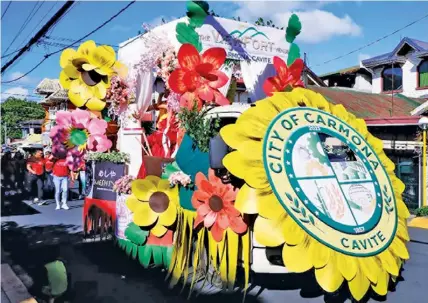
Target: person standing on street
19	171
36	170
60	173
82	180
49	186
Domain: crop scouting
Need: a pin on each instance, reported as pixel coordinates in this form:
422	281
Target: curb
13	289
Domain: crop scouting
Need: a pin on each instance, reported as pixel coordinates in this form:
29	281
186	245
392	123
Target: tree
14	111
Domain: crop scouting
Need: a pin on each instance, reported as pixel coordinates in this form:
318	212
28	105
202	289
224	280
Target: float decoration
86	74
287	78
197	11
366	256
75	133
293	30
198	78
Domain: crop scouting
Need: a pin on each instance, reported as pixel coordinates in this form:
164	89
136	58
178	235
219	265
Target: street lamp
423	124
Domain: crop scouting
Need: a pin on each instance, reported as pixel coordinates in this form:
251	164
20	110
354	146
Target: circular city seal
330	181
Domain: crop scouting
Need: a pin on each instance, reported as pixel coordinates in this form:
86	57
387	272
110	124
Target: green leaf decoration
296	202
197	11
145	255
293	29
293	54
289	197
187	34
303	212
157	253
312	220
167	255
304	220
169	169
135	234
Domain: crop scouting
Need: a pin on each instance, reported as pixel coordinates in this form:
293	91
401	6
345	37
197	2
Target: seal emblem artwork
343	199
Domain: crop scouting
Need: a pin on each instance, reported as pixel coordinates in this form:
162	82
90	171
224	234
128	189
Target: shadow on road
101	272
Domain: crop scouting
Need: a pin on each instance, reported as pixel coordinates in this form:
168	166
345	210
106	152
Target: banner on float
104	175
244	41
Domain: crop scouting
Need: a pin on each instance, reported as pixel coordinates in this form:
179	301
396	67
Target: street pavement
101	272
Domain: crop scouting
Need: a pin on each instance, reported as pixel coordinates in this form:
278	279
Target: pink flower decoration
99	143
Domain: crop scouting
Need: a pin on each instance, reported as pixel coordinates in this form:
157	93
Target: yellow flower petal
375	143
103	57
86	48
397	185
101	72
164	185
359	286
154	179
246	200
64	80
95	104
88	67
403	211
370	267
132	203
76	99
251	171
168	217
402	231
144	215
159	230
381	287
399	249
71	71
347	266
67	57
143	189
320	254
120	69
268	232
269	206
389	263
293	233
296	258
232	136
329	277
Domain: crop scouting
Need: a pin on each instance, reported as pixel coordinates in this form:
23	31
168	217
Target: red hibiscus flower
213	202
287	76
199	78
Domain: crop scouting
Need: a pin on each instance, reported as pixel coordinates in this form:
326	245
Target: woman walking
60	173
36	170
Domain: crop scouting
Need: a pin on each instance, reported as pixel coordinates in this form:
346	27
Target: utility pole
40	33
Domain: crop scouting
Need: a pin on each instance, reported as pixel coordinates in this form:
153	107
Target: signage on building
244	40
330	181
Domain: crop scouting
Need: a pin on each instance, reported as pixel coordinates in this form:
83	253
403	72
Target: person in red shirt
36	171
60	173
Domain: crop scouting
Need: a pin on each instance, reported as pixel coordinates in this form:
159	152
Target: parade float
288	184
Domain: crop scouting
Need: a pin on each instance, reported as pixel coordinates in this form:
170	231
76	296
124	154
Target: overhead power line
373	42
39	34
55	39
7	7
26	21
72	44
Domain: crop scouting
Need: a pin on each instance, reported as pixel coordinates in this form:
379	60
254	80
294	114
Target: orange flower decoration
287	76
199	78
213	202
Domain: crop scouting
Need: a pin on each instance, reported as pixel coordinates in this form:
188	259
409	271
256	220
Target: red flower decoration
287	76
199	78
213	202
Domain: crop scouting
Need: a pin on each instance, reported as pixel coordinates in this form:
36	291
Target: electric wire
7	7
29	18
373	42
72	44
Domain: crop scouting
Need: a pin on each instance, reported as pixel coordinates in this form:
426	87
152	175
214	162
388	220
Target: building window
423	74
392	78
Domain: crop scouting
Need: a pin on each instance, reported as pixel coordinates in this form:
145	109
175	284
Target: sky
330	29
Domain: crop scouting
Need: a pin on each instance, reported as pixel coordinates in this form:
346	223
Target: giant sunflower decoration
363	246
154	204
86	73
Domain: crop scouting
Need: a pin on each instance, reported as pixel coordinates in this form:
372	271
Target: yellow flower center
159	202
215	203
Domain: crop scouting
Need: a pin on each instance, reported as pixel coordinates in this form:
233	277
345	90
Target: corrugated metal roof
367	105
347	70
